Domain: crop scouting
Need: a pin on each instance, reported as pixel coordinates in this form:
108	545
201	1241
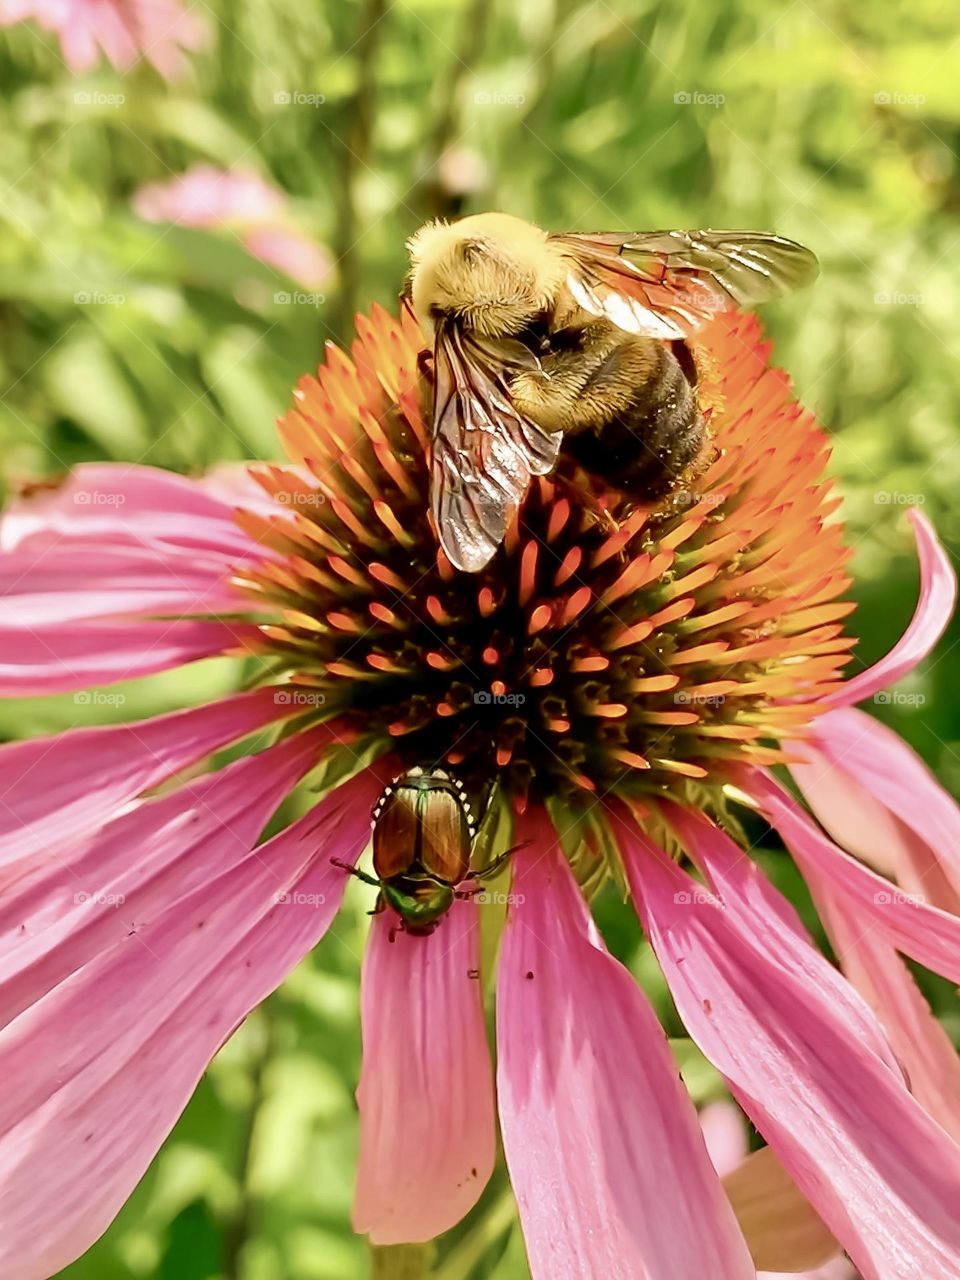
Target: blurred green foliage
837	124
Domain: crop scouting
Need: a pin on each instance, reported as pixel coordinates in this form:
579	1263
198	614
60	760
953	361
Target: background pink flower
123	30
240	201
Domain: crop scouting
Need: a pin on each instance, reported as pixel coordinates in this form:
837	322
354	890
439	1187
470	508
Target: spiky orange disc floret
606	645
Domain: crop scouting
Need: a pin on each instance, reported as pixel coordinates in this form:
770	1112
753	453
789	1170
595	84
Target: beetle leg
491	869
354	871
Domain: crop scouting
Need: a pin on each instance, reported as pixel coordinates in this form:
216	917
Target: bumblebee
548	339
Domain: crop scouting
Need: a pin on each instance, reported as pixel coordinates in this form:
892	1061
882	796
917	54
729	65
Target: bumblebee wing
484	451
669	284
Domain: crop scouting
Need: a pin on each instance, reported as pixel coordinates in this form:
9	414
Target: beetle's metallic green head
419	903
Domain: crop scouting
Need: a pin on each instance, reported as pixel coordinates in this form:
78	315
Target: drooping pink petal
903	813
916	928
880	1172
923	1048
97	1072
427	1127
725	1134
779	1224
938	594
605	1154
70	906
61	657
773	923
54	791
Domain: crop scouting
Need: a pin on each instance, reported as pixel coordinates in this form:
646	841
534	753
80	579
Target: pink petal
427	1127
773	923
912	926
778	1223
920	843
721	1124
72	906
923	1048
938	594
290	251
56	790
78	655
605	1154
209	197
97	1072
882	1175
114	541
122	504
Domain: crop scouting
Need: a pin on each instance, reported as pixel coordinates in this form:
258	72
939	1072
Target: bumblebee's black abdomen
646	447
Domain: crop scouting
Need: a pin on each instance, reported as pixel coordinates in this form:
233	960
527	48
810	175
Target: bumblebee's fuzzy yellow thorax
493	272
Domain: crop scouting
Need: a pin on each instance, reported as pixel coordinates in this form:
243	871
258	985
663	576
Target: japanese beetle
423	832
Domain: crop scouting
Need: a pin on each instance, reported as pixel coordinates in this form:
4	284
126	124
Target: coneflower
616	682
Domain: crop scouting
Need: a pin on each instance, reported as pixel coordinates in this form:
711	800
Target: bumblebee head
491	272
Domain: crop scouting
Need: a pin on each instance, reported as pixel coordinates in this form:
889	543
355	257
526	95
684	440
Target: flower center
607	646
